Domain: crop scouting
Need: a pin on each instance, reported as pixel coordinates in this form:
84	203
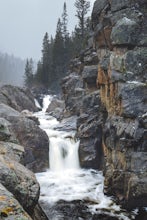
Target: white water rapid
65	180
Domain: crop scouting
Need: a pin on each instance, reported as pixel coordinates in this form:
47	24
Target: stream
68	191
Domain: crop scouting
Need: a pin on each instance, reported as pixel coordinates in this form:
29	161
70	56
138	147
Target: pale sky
23	24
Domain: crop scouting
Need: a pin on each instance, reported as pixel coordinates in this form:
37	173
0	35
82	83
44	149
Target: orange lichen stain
2	198
11	166
6	211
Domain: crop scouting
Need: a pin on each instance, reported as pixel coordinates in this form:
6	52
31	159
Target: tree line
58	51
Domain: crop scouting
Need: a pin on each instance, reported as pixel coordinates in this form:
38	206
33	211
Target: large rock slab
10	208
56	108
127	26
29	135
89	130
35	142
19	181
6	133
89	75
73	92
126	156
17	98
13	151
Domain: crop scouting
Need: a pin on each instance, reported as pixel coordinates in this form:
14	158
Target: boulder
10	208
29	135
7	112
19	181
6	133
17	98
125	32
13	151
56	108
35	142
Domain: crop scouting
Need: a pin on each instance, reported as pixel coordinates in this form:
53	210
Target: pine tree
64	22
28	75
45	60
38	74
82	8
58	53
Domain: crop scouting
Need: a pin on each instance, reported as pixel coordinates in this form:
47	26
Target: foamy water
65	180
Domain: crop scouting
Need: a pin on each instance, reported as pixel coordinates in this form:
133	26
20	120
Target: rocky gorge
105	95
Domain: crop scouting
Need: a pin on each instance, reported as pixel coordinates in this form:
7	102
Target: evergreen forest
59	50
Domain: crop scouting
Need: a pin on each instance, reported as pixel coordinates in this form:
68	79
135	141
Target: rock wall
120	38
83	100
107	90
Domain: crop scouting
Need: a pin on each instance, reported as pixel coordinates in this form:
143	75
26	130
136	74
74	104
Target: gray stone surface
10	208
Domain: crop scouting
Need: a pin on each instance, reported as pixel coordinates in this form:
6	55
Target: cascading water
65	180
63	154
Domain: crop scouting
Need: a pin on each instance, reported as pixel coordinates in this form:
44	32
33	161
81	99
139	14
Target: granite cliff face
120	38
107	89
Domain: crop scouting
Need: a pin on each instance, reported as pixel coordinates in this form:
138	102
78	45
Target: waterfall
63	154
46	101
63	149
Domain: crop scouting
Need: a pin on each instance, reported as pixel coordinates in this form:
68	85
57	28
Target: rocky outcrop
23	128
17	98
107	89
19	181
89	130
56	108
82	100
19	189
10	208
120	35
35	142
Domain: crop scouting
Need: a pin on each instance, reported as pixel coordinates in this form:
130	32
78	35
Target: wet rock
19	181
127	26
98	8
91	58
35	142
38	213
119	5
67	124
89	75
7	112
72	87
125	172
56	108
136	63
29	135
120	38
13	151
133	99
10	208
89	131
75	210
6	133
18	98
